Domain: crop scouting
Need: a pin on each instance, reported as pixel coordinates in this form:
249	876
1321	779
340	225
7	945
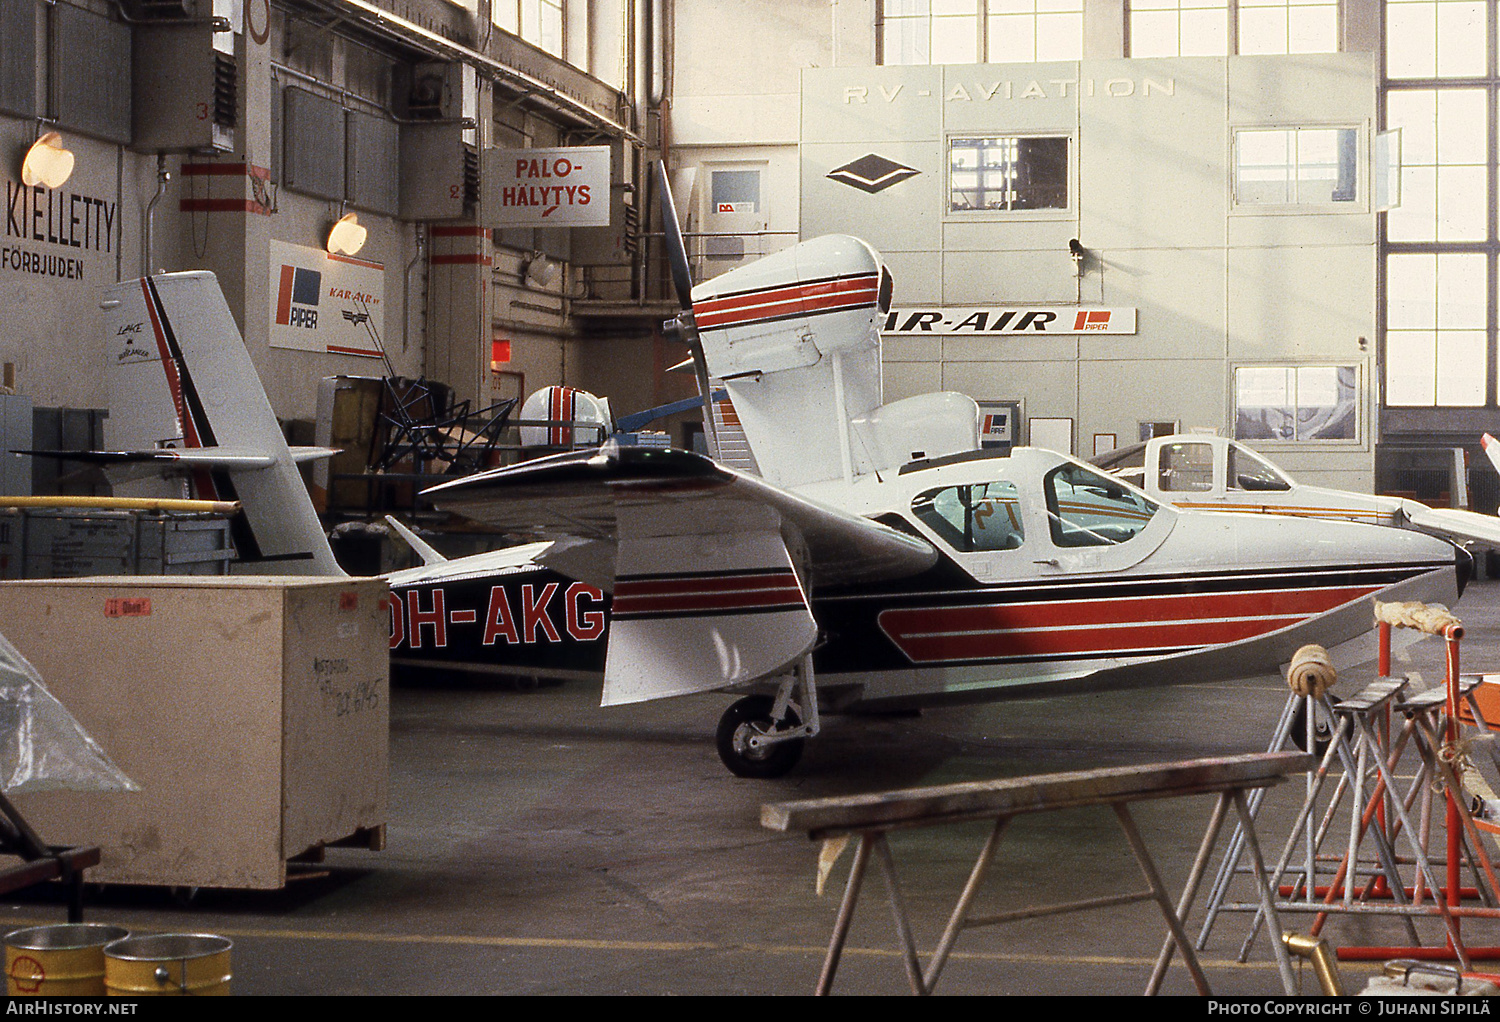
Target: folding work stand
1430	726
871	817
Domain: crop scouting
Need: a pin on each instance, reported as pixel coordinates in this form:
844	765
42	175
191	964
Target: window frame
1312	443
1063	212
1360	204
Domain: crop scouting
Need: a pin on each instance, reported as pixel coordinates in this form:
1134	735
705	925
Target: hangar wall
1215	284
449	288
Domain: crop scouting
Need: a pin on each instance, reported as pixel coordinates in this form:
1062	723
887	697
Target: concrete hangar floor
538	844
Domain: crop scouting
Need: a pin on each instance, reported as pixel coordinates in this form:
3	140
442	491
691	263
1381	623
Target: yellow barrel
66	960
168	963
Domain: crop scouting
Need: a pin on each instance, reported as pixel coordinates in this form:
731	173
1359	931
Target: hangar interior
1105	221
1296	220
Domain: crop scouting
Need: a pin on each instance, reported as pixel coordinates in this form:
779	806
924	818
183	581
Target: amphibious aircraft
879	561
1214	473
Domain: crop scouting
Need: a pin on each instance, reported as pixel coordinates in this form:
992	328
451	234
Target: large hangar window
1007	172
539	22
973	31
1296	403
1440	247
1279	26
1295	166
1216	28
1435	329
1179	28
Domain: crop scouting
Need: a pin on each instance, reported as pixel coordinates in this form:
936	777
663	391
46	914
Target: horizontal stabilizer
419	546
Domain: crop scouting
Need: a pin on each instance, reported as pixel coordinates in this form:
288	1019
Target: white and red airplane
879	560
1214	473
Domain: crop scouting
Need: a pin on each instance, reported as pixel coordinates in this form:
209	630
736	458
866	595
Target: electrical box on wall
186	86
439	172
437	91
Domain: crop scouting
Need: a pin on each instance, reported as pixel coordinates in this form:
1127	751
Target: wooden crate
252	711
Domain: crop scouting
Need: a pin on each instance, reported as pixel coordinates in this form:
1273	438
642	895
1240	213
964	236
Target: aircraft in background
1214	473
880	562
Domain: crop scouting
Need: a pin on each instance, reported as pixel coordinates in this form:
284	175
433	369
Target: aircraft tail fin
185	396
419	546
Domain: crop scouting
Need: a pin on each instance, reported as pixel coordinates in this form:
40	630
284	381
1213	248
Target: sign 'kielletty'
560	187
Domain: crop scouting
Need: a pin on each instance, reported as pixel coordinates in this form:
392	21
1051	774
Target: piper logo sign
567	187
323	302
1025	320
297	297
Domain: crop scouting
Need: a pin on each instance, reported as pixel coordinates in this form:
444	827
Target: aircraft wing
617	492
709	567
1454	524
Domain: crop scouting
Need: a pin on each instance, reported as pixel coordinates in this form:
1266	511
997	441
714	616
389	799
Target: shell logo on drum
26	975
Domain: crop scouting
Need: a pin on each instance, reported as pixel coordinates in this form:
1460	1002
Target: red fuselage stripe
1122	626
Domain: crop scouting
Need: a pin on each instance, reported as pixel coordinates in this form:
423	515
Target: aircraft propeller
682	327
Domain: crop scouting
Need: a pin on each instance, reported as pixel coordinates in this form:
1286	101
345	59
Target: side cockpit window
1086	509
984	516
1186	468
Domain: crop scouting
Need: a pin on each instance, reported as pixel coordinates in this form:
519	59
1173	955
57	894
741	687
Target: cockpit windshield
1087	509
1129	463
1249	471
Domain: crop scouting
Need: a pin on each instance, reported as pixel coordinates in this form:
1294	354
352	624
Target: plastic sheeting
42	748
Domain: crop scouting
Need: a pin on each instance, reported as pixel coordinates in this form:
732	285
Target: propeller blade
682	278
700	367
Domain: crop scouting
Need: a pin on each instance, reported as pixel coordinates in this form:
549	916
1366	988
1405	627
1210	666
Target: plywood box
252	711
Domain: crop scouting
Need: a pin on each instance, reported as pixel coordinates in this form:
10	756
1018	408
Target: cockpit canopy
1082	509
1187	466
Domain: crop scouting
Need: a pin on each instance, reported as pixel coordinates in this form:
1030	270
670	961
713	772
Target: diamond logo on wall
872	173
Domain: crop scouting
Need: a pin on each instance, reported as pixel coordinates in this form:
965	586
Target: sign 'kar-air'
324	302
566	187
1026	320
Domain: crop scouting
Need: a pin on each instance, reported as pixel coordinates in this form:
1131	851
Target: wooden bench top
948	803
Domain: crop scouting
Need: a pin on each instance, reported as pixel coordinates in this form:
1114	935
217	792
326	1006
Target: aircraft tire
735	727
